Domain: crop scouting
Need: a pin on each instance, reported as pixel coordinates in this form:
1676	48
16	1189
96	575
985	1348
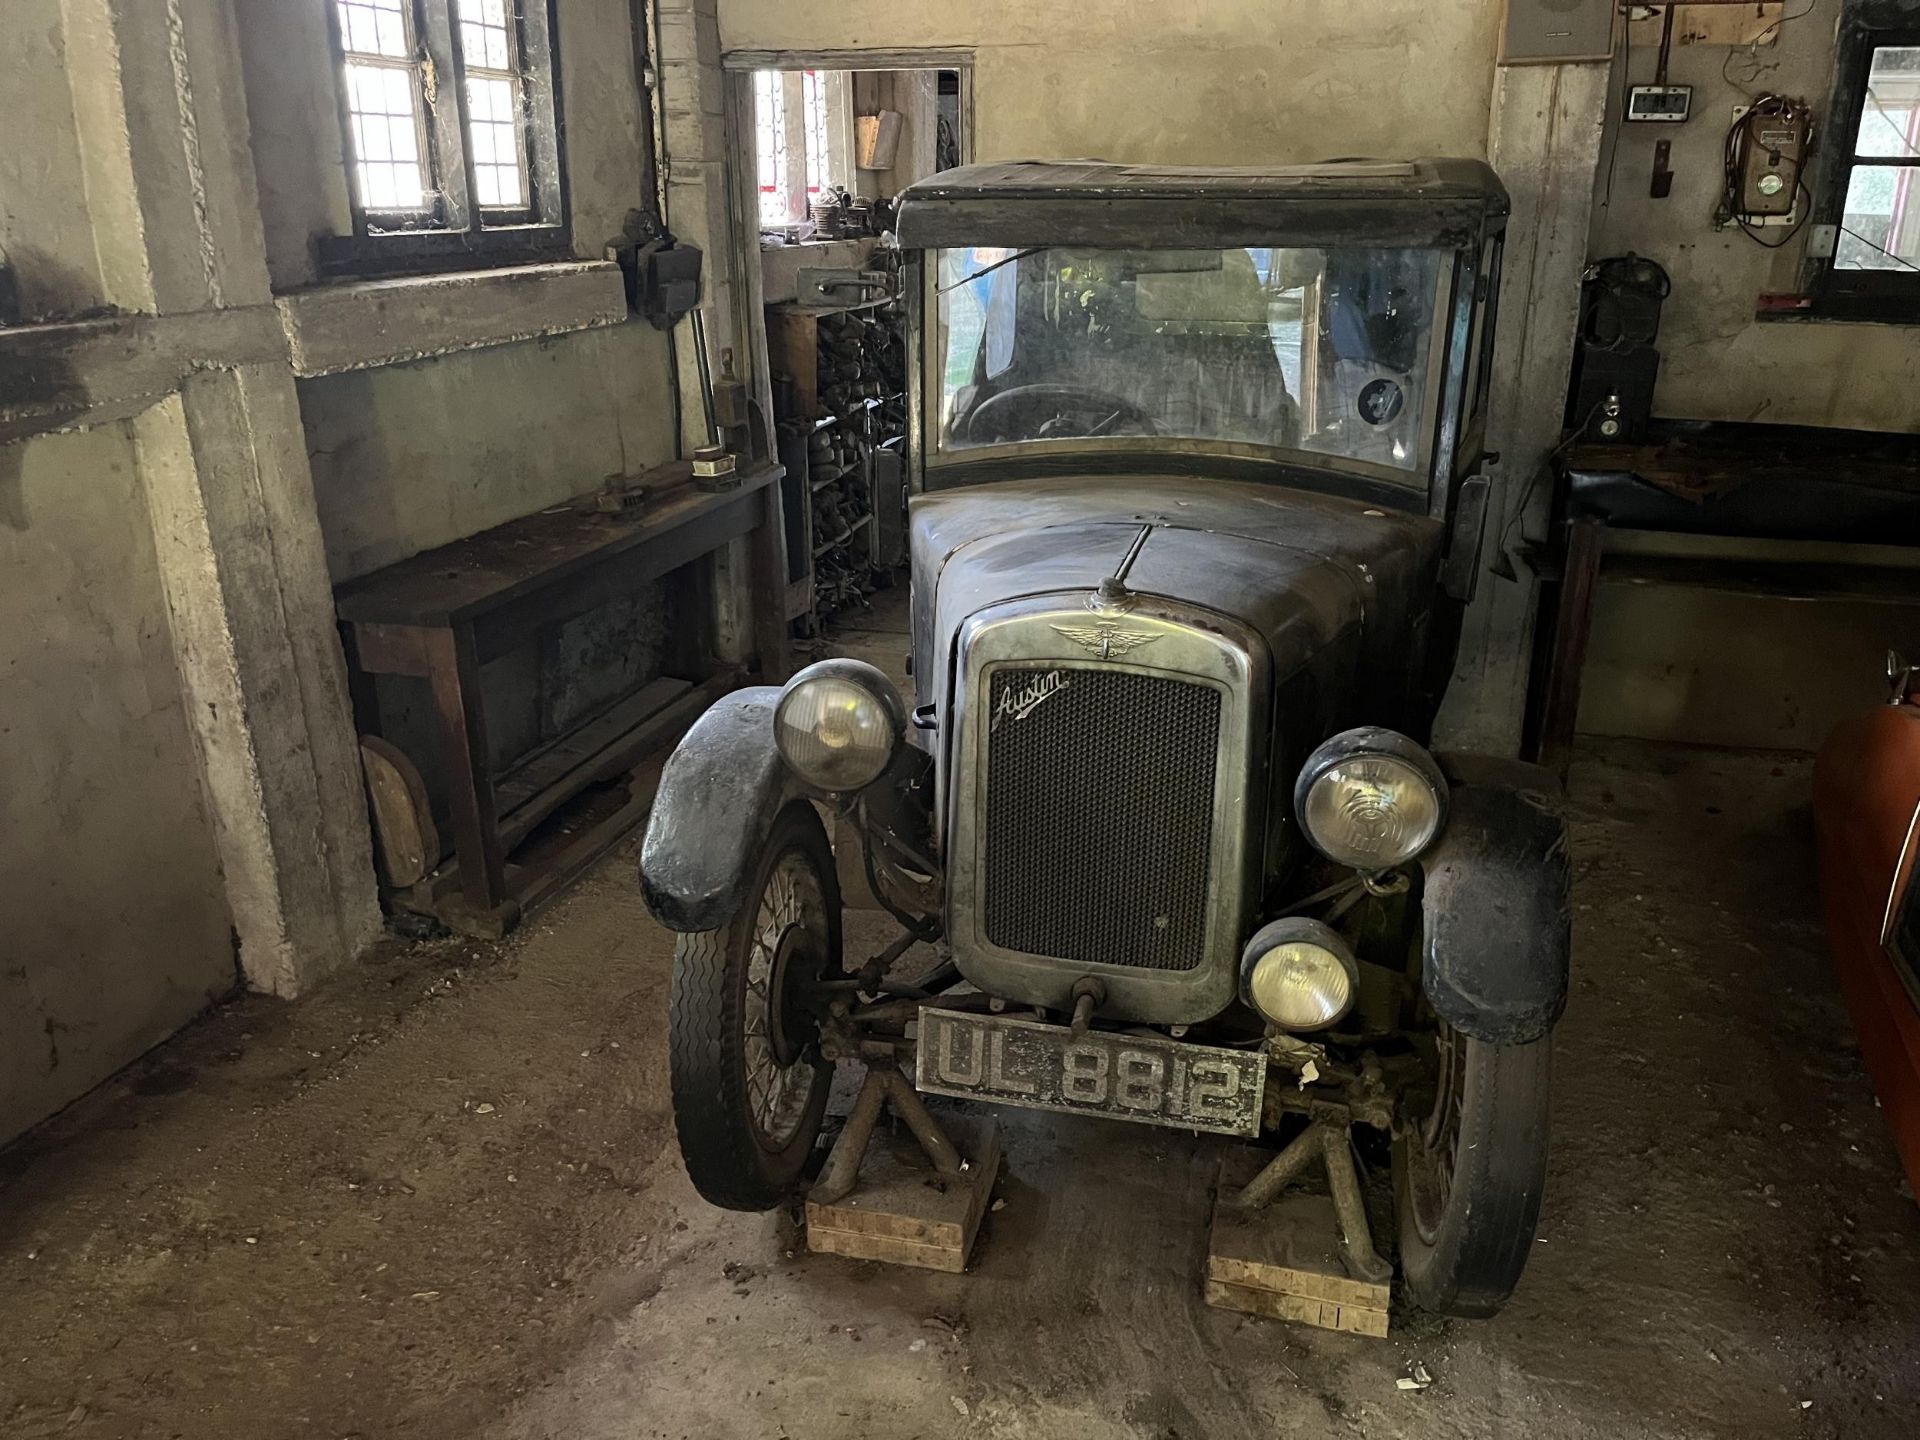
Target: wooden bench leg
455	675
1586	542
768	563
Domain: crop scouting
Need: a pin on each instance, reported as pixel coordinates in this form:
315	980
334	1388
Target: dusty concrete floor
442	1199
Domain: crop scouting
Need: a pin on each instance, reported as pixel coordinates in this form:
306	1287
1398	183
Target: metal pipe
1356	1237
942	976
842	1170
705	367
875	970
1088	995
899	1010
1281	1170
1082	1014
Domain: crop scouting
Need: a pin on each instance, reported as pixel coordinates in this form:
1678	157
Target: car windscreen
1328	352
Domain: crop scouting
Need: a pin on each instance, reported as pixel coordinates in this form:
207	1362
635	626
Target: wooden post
768	564
1544	139
1586	543
455	675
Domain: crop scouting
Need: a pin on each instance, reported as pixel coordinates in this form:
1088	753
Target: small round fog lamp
1299	974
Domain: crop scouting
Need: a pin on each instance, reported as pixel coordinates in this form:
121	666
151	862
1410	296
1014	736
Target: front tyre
1468	1174
749	1083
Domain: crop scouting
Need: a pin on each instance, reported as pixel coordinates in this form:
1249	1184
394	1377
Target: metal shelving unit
838	404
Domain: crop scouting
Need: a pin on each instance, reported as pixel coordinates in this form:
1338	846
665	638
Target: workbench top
489	571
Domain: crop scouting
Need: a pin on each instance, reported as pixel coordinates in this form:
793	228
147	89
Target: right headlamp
837	725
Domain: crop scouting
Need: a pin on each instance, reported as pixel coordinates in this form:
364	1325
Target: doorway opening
824	143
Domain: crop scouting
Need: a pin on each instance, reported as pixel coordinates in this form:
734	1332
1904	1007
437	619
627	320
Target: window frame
1883	296
451	231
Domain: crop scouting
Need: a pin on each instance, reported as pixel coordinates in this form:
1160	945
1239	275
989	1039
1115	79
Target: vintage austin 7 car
1197	464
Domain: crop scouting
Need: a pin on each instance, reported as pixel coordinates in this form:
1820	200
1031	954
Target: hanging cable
1733	154
1874	245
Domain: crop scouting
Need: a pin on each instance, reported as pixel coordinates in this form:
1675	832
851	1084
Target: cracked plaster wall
116	927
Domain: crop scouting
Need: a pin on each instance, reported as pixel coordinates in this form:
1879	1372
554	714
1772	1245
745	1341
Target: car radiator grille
1099	823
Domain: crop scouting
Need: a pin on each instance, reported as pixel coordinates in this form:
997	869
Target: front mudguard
1496	911
719	793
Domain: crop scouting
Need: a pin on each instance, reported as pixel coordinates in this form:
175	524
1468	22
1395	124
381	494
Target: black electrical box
1615	363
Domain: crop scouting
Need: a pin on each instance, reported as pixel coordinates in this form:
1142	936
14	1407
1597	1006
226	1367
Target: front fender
1496	911
719	793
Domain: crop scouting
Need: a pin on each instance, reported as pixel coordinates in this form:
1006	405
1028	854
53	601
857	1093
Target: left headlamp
838	724
1371	798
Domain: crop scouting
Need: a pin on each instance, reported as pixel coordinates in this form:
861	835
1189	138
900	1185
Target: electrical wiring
1872	245
1752	47
1620	106
1731	150
1519	511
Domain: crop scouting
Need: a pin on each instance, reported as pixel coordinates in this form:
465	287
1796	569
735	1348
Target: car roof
1445	202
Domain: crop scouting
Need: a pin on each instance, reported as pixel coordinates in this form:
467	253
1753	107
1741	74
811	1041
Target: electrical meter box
1772	147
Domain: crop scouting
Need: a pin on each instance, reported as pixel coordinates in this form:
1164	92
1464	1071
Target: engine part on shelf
839	380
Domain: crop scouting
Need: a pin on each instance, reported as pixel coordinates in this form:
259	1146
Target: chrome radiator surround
1152	640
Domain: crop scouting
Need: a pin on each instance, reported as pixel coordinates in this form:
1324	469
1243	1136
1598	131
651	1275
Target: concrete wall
117	927
1720	666
44	228
1226	81
299	159
412	456
1717	362
409	457
176	755
1702	666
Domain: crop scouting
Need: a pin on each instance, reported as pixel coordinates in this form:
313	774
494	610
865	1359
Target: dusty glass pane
1880	228
1890	113
494	132
374	27
1330	352
385	121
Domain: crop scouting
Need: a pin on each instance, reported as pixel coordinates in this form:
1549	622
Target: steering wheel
1040	412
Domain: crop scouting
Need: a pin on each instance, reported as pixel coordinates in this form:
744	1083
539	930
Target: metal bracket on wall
819	288
1661	185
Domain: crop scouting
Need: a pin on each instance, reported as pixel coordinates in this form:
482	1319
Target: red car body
1866	800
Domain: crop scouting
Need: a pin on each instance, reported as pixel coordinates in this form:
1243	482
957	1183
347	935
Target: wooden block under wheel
1283	1260
902	1212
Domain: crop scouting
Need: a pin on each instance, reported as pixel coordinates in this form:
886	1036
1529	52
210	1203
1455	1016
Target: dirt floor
442	1199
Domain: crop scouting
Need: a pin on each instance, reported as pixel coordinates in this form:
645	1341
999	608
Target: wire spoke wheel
1470	1160
1431	1160
749	1082
787	952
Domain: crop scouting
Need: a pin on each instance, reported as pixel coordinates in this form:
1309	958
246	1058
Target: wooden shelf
845	537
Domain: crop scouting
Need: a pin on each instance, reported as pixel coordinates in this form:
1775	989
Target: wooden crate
1283	1260
901	1212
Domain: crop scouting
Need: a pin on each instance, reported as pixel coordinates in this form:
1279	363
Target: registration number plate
1124	1077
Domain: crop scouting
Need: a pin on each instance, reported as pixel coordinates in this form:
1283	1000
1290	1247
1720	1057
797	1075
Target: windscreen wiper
989	269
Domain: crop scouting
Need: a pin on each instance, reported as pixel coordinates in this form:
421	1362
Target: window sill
419	252
1877	312
363	324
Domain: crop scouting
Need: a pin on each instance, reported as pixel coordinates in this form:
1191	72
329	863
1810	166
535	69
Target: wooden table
443	614
1759	509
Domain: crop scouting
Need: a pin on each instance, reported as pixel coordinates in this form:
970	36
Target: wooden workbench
443	614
